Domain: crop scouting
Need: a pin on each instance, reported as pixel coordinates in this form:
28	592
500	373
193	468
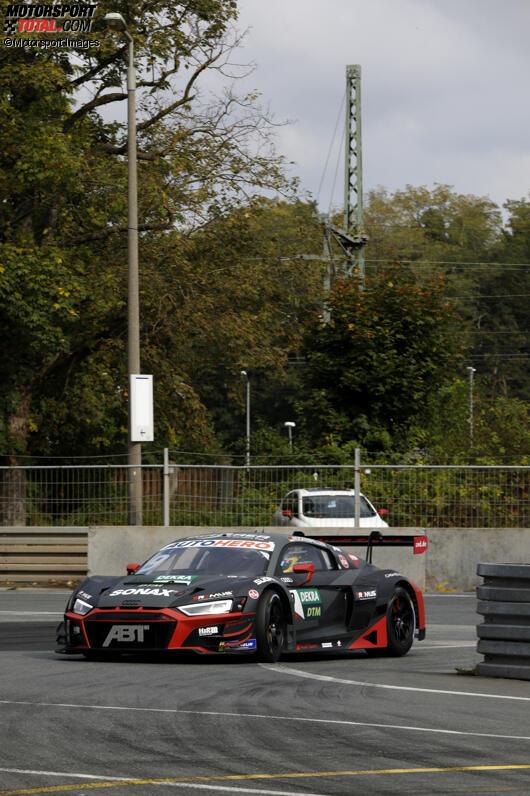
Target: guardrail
504	636
37	555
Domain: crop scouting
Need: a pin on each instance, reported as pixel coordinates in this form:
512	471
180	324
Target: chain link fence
430	496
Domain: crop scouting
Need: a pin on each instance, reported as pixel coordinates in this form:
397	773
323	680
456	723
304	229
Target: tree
246	308
373	367
63	220
437	227
502	348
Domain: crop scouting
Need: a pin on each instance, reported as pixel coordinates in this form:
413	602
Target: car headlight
200	609
81	607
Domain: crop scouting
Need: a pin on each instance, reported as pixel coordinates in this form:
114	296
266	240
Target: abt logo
125	633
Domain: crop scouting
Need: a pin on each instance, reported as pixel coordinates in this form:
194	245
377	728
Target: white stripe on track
58	774
264	716
33	613
279	669
232	789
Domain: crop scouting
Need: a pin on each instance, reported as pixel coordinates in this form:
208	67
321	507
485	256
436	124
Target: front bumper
134	631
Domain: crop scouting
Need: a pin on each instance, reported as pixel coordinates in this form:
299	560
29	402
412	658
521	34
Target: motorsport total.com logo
74	20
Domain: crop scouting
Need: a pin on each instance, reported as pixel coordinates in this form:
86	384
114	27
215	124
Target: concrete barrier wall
110	549
450	563
454	553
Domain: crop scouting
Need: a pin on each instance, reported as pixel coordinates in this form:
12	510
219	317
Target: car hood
135	591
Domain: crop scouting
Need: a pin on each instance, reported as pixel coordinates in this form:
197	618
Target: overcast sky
445	89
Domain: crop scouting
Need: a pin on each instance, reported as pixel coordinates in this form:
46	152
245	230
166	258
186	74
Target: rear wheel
400	623
270	627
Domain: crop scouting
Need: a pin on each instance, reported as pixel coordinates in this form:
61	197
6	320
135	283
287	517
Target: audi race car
256	593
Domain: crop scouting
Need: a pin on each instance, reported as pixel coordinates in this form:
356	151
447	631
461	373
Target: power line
484	331
339	116
505	295
481	263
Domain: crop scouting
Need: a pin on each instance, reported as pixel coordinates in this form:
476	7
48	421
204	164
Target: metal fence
182	494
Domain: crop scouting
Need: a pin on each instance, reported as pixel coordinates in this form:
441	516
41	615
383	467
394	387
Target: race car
259	593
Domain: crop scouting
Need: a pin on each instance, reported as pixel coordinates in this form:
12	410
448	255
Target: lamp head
115	21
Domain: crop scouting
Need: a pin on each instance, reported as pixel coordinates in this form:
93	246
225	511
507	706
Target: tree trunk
12	479
12	496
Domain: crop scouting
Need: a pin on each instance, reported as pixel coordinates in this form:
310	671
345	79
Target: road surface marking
197	782
279	669
261	716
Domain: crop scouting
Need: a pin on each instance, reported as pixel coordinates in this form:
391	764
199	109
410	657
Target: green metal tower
353	173
352	237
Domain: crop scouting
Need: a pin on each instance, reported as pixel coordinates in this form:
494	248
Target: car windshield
199	559
329	506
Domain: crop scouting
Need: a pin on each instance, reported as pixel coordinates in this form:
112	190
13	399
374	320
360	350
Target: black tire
271	627
400	623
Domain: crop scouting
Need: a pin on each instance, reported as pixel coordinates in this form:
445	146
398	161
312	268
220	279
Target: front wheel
400	623
270	627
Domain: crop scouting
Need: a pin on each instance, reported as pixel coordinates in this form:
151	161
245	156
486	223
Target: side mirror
382	512
287	513
131	568
309	569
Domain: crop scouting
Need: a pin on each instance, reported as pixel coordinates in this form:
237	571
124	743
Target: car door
320	604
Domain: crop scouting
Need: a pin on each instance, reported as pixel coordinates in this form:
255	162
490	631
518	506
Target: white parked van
326	508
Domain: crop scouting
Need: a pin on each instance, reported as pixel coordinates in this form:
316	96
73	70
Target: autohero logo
126	634
50	18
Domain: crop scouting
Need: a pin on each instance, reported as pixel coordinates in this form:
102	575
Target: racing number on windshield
288	563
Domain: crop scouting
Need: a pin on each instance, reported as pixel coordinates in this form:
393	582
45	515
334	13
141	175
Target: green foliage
375	363
224	284
63	224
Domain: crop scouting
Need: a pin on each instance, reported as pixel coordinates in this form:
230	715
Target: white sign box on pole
141	397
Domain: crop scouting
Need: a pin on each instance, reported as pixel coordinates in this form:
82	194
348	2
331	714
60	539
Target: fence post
166	487
357	487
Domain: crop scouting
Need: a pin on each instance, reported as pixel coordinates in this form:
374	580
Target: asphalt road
307	725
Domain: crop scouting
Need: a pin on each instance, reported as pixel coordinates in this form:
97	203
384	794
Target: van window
335	506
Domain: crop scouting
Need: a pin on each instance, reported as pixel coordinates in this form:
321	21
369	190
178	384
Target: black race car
255	593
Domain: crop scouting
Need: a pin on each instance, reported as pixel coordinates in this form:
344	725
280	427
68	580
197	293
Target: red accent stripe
362	643
421	606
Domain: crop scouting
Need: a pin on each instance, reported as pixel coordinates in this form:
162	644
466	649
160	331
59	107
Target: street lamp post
289	424
116	22
247	455
471	372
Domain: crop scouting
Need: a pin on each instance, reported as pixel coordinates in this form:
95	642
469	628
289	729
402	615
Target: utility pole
352	238
353	174
471	372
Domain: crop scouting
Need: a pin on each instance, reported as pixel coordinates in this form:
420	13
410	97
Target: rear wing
375	538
